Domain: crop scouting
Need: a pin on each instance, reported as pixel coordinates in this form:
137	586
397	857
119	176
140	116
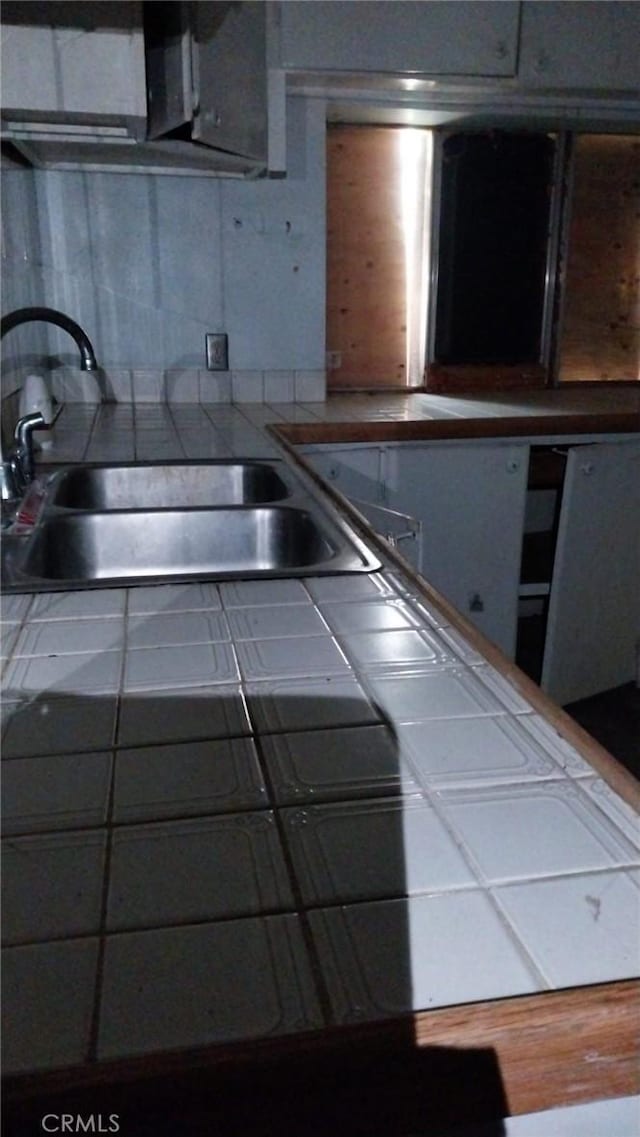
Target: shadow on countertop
358	1082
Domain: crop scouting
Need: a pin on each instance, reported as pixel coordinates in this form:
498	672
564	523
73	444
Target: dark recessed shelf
537	557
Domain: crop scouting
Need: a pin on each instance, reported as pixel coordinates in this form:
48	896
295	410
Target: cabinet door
462	38
580	45
232	84
79	63
594	608
471	502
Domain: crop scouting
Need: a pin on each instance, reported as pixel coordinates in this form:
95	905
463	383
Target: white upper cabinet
86	60
207	73
112	85
437	37
580	45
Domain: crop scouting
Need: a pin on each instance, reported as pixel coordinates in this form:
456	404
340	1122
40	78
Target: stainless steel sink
172	486
180	542
196	521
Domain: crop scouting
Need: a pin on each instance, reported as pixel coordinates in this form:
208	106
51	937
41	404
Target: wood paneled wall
366	303
600	335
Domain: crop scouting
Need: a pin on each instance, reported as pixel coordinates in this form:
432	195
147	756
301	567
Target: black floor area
613	718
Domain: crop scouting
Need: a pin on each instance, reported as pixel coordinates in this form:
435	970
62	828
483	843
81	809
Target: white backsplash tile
182	386
214	386
310	386
279	387
118	384
247	386
82	386
148	385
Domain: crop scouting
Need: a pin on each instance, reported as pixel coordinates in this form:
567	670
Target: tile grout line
321	906
94	1029
322	991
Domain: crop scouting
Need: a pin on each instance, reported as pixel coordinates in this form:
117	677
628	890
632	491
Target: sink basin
146	523
137	546
173	486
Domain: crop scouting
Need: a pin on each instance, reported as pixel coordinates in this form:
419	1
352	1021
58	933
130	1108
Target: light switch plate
217	351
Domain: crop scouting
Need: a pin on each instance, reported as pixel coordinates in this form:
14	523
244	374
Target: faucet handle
25	427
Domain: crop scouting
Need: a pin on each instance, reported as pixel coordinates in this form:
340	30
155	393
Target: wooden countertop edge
416	430
612	772
555	1048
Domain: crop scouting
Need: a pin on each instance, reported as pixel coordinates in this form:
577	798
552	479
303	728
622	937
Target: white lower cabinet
462	509
470	499
593	625
469	515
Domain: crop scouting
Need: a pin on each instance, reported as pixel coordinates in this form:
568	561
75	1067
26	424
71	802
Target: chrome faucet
16	471
18	467
51	316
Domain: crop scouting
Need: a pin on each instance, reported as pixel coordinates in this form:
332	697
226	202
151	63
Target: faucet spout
88	360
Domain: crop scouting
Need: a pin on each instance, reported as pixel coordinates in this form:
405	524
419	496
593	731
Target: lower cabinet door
593	626
470	501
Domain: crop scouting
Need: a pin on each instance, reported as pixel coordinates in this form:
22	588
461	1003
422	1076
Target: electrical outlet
333	360
217	351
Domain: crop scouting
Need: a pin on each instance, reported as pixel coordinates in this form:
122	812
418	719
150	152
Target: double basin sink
96	526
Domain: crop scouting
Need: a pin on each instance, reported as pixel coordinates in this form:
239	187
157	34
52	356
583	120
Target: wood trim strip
443	378
553	1049
425	430
539	1051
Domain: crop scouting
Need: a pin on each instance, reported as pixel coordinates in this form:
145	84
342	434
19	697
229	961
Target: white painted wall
148	264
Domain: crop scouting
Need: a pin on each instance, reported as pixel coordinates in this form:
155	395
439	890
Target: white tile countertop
269	807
